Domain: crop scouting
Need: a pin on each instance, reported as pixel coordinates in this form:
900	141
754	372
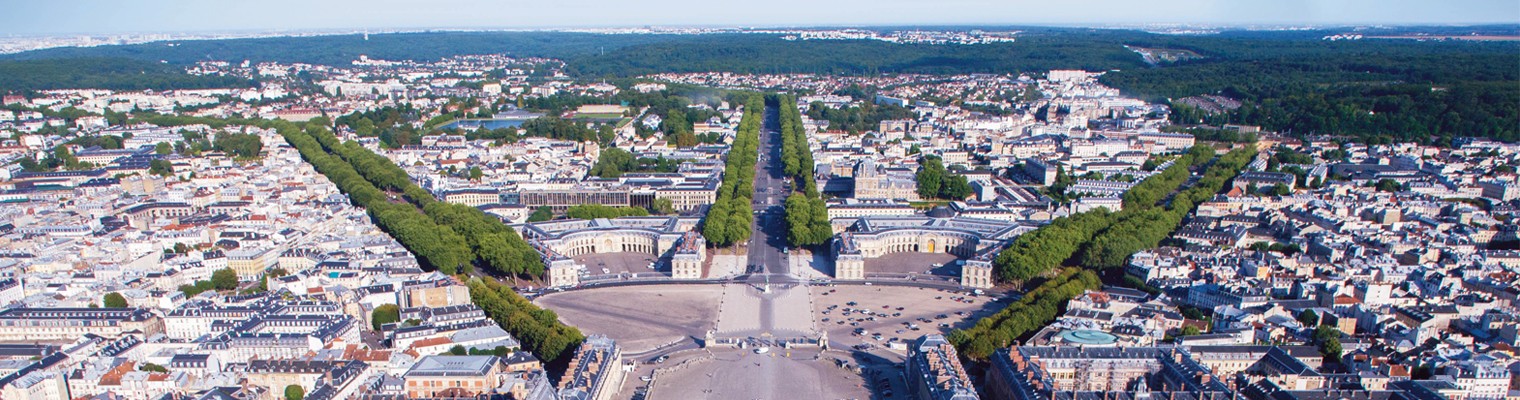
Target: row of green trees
453	238
539	329
807	215
450	237
594	211
1044	249
730	217
436	246
1145	228
1108	240
431	236
1028	314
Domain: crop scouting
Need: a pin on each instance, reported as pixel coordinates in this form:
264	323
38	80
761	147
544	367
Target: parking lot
914	263
877	315
617	263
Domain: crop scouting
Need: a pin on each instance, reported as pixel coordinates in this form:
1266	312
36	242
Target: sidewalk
726	266
807	265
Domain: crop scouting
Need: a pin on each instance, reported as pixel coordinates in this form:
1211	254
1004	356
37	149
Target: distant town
496	227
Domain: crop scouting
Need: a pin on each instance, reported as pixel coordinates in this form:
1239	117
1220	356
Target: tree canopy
114	300
224	279
384	314
729	219
594	211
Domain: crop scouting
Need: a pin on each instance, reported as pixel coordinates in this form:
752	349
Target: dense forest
1378	91
104	73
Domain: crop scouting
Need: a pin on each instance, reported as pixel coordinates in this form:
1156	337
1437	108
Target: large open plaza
663	327
776	374
640	318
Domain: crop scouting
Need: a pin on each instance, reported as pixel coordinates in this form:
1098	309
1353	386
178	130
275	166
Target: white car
762	350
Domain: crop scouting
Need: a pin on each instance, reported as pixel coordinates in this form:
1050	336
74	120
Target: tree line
487	242
1145	228
1029	314
105	73
807	215
451	238
1376	91
539	329
1108	240
594	211
445	236
1046	248
729	218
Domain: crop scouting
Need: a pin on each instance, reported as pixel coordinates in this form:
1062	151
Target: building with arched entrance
672	241
976	241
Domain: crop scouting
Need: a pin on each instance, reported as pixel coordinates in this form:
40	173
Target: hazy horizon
95	17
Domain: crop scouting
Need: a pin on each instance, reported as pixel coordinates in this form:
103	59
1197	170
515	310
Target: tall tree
931	175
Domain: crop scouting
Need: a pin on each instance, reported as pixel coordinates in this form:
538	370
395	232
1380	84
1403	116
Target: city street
769	238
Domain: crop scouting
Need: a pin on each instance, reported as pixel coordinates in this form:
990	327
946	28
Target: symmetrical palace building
674	240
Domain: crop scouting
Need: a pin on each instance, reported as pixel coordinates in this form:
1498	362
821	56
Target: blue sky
46	17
